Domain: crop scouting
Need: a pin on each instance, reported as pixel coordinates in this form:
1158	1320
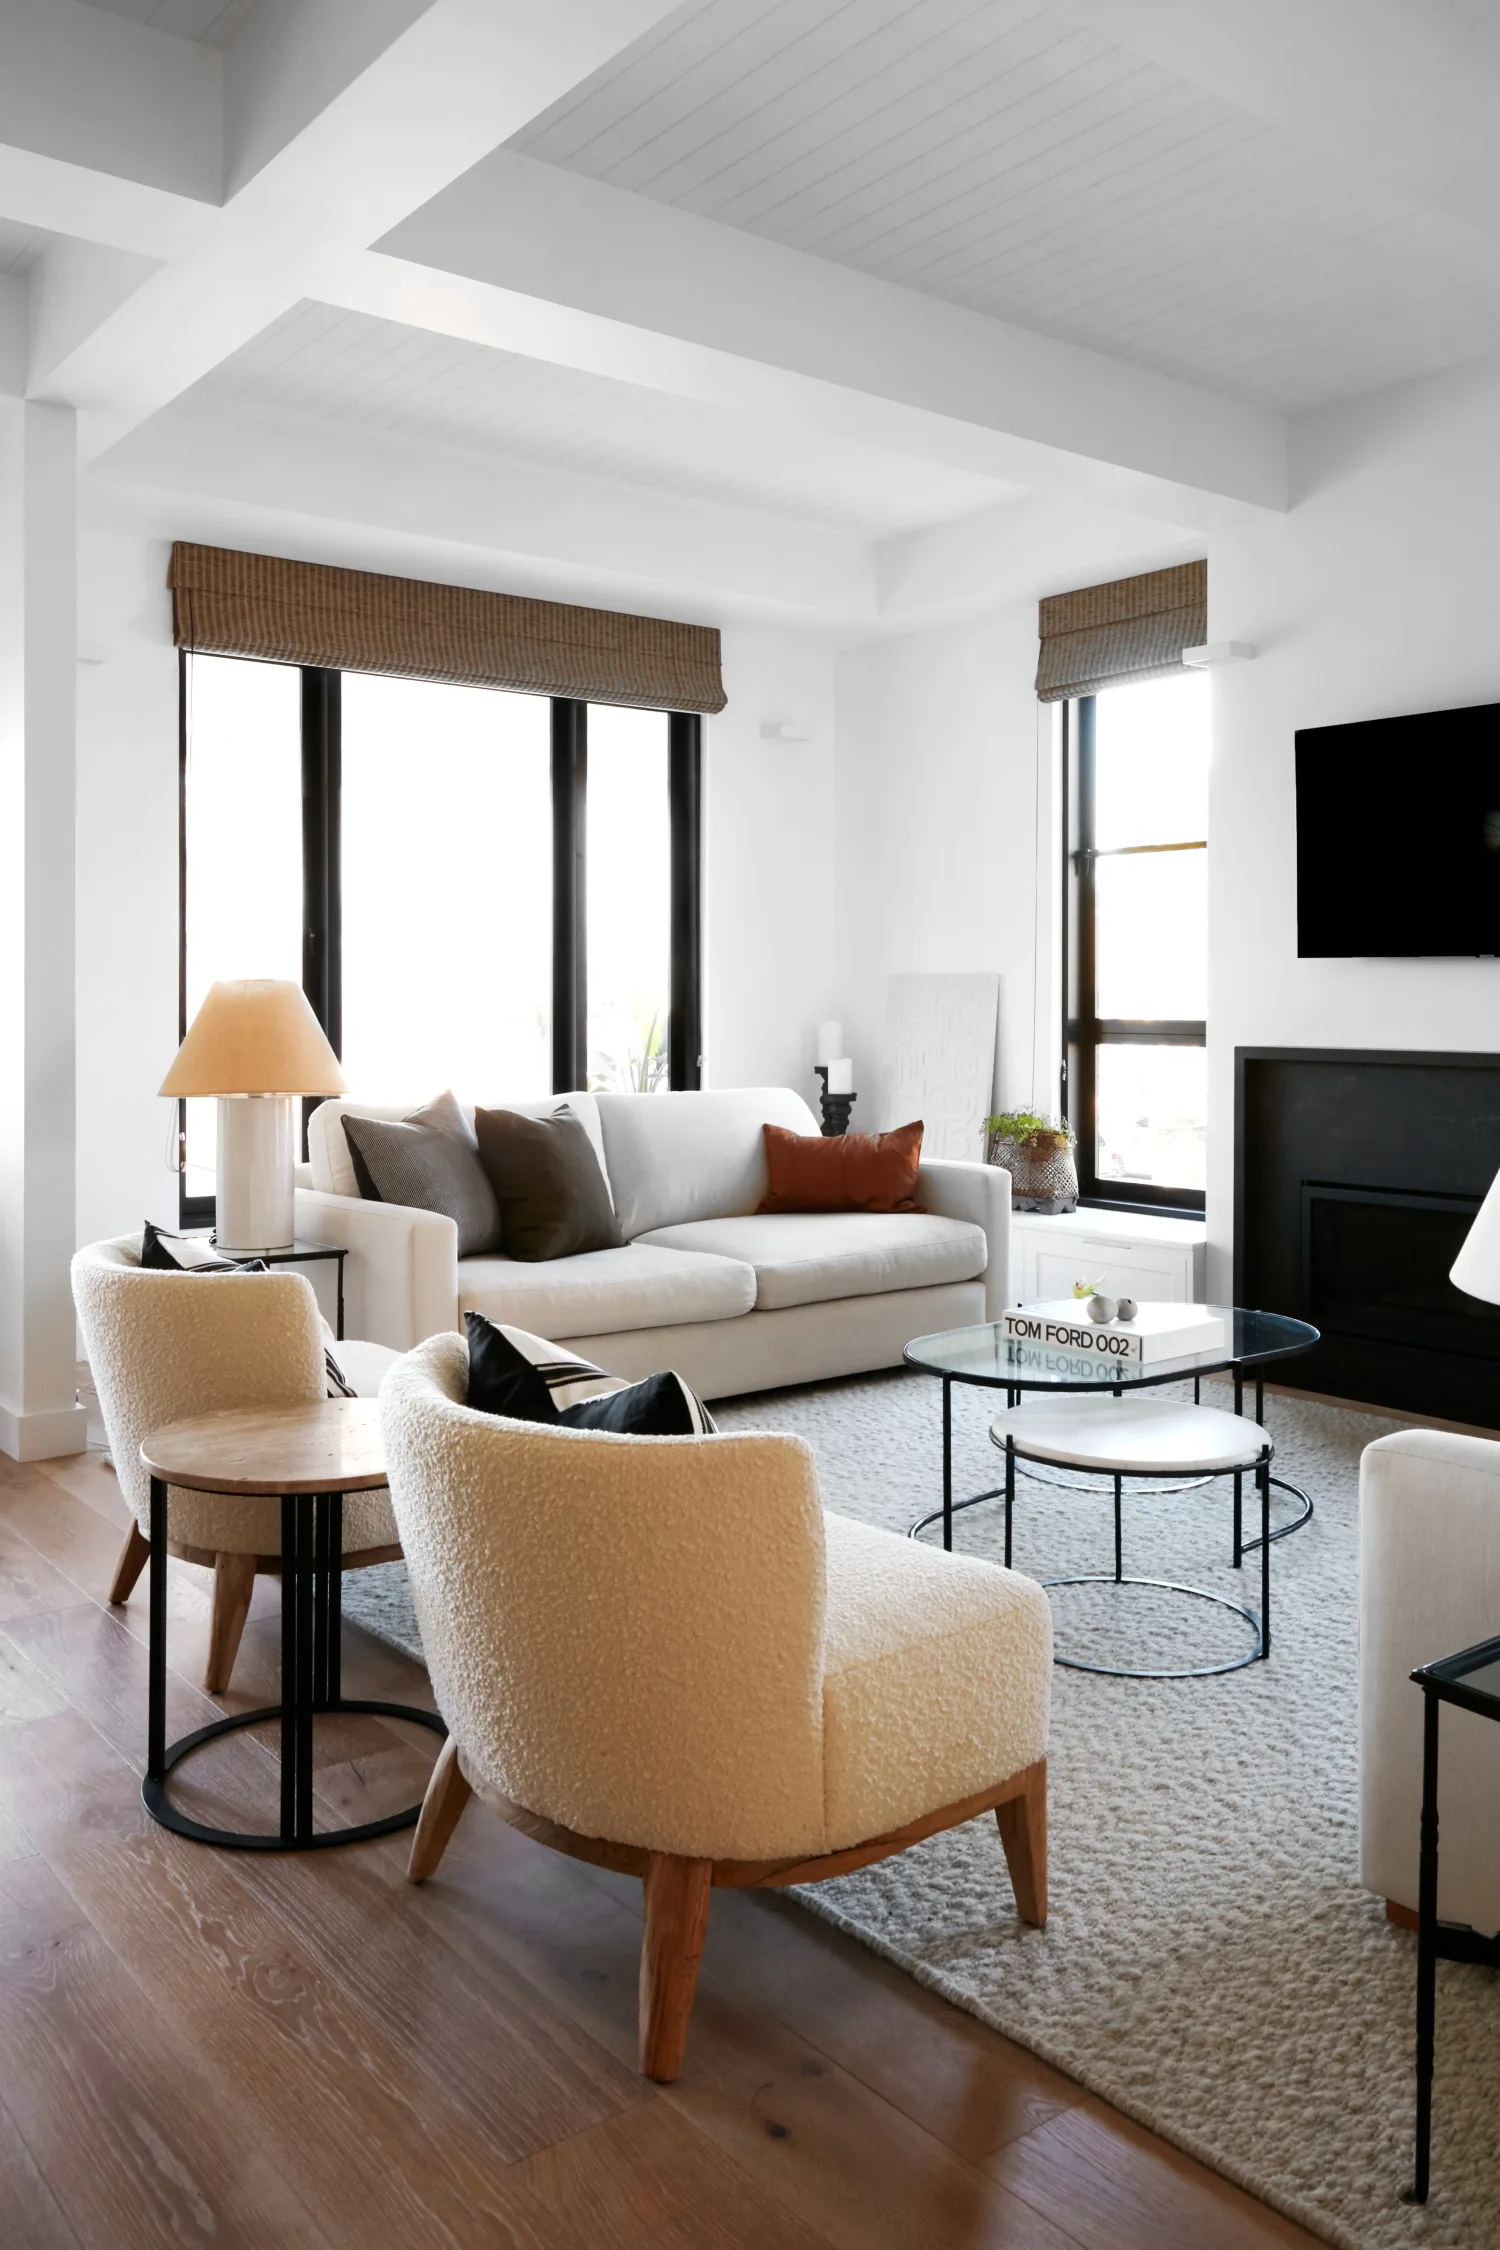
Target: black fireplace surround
1356	1178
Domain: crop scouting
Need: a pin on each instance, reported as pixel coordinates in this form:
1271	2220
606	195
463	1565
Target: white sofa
734	1299
1429	1585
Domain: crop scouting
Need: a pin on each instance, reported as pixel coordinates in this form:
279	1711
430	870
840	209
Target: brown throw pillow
552	1194
849	1172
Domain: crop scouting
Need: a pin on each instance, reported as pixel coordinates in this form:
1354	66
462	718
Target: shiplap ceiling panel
214	22
380	375
1005	157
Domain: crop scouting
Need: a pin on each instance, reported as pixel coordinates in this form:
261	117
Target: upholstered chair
658	1654
164	1346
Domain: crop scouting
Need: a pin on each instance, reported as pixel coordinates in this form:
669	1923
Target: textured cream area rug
1210	1963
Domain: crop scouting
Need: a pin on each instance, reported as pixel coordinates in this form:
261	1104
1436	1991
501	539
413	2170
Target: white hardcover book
1157	1331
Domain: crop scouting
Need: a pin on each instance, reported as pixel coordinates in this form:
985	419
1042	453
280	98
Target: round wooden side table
307	1457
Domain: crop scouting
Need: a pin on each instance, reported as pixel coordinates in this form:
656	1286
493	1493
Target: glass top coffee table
986	1357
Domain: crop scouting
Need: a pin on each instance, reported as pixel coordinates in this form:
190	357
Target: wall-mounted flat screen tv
1398	836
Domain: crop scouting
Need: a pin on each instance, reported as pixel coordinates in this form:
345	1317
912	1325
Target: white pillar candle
830	1039
841	1076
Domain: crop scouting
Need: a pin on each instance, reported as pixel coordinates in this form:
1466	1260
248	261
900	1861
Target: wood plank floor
199	2047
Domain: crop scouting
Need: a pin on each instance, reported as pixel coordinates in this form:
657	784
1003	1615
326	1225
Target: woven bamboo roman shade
229	604
1131	629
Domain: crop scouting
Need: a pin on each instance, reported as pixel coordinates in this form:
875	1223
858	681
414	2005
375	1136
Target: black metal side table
1471	1679
305	1458
300	1253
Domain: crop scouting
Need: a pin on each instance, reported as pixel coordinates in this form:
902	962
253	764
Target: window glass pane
629	900
1151	936
244	844
447	891
1151	762
1153	1114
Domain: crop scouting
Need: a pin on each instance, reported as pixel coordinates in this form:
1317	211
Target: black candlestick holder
835	1107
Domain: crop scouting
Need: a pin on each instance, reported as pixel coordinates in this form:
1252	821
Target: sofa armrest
1429	1584
401	1275
981	1194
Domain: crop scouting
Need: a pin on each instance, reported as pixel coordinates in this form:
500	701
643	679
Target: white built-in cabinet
1127	1253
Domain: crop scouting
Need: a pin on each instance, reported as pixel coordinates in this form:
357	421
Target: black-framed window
474	887
1136	941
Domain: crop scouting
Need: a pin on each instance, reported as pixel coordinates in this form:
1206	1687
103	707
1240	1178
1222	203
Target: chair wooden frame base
677	1890
234	1583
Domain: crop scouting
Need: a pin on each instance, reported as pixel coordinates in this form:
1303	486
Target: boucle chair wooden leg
134	1556
677	1896
447	1795
1023	1833
234	1583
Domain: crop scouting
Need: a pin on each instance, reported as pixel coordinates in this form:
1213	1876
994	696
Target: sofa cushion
429	1168
843	1171
812	1257
328	1151
548	1184
602	1292
674	1157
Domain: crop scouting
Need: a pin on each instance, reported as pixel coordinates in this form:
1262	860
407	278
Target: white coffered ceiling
830	282
1009	157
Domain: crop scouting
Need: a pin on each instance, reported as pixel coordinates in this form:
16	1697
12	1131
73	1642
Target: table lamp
1476	1269
256	1045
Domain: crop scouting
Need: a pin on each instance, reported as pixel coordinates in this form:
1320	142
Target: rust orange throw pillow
852	1172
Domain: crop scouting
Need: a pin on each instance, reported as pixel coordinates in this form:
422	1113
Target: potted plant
1037	1152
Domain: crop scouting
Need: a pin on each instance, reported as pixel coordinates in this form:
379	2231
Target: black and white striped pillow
514	1373
196	1253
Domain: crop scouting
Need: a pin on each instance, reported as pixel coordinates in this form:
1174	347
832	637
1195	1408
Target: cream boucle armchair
163	1346
658	1654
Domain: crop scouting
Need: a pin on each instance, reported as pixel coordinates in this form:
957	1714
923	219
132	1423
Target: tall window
474	888
1135	1072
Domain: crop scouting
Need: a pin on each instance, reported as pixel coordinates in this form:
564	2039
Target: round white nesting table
1140	1436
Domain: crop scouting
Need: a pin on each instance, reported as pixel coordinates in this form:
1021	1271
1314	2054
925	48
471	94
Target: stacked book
1157	1332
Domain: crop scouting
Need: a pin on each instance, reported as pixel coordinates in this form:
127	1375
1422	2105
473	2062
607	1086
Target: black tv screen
1398	836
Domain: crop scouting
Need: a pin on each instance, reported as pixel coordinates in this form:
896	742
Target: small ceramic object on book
1125	1310
1101	1310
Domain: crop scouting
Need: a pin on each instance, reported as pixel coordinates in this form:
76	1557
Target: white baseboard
45	1435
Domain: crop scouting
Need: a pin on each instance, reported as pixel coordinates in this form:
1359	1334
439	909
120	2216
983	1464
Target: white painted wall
768	820
1378	594
941	752
770	876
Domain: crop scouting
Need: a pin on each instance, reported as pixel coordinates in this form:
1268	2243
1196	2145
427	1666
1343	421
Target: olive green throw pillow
553	1197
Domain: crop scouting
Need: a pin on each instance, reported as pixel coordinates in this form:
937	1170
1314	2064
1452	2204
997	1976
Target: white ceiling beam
14	328
461	76
1016	552
111	98
535	259
699	555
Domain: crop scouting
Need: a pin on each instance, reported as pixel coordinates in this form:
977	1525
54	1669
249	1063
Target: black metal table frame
311	1683
1439	1941
300	1254
1259	1625
1240	1546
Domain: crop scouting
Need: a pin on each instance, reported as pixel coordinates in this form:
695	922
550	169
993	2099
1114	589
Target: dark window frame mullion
685	813
322	719
1084	1030
570	992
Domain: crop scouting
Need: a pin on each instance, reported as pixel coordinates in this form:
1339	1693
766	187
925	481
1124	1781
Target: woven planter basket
1043	1176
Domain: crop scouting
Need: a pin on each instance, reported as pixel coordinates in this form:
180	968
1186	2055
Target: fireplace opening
1375	1265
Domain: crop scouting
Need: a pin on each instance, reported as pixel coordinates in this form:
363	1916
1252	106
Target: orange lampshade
255	1036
